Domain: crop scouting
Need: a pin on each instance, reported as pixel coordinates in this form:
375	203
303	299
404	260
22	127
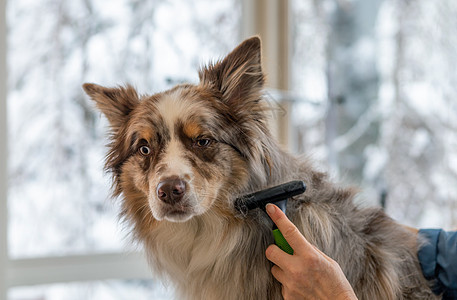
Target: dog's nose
171	190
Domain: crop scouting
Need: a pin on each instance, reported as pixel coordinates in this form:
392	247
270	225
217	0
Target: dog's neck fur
269	165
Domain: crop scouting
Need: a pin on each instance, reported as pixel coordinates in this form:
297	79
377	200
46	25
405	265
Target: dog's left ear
238	76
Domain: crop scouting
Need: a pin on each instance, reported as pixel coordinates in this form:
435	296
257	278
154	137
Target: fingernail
270	208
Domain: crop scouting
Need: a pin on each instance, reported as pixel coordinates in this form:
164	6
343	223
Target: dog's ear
115	103
238	76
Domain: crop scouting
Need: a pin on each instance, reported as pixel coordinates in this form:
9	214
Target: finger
279	274
290	232
278	257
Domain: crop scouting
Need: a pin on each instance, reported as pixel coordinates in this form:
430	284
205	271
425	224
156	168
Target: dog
180	158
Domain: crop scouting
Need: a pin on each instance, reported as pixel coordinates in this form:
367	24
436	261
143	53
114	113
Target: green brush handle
281	242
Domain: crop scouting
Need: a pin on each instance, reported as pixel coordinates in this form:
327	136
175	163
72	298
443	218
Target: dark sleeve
438	260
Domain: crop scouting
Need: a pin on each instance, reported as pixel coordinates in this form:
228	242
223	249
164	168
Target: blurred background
366	88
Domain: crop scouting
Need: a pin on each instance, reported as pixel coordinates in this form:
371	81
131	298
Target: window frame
3	155
270	20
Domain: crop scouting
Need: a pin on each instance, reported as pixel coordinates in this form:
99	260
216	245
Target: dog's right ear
115	103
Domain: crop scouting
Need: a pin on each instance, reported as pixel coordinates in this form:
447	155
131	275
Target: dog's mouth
176	213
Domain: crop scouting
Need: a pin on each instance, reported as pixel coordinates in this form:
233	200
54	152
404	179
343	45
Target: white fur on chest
195	252
210	258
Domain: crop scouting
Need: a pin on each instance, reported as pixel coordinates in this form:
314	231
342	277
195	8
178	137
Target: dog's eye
144	150
203	142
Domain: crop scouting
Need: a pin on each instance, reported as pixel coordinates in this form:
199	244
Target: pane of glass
309	45
376	84
308	80
100	290
58	195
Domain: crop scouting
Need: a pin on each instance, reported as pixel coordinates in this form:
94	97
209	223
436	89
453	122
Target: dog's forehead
181	106
176	106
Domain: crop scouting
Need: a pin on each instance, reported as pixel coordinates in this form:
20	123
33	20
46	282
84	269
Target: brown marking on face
205	154
192	129
147	128
145	134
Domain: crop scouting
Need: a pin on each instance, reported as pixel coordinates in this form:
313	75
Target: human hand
308	273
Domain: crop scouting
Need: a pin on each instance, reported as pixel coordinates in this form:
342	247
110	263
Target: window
60	214
58	195
375	84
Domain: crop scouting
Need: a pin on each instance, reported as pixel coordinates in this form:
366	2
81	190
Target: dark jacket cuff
438	260
427	252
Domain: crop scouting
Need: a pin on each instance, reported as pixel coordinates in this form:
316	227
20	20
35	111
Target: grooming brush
277	195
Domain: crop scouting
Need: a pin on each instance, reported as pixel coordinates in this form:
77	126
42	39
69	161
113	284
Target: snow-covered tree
379	83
